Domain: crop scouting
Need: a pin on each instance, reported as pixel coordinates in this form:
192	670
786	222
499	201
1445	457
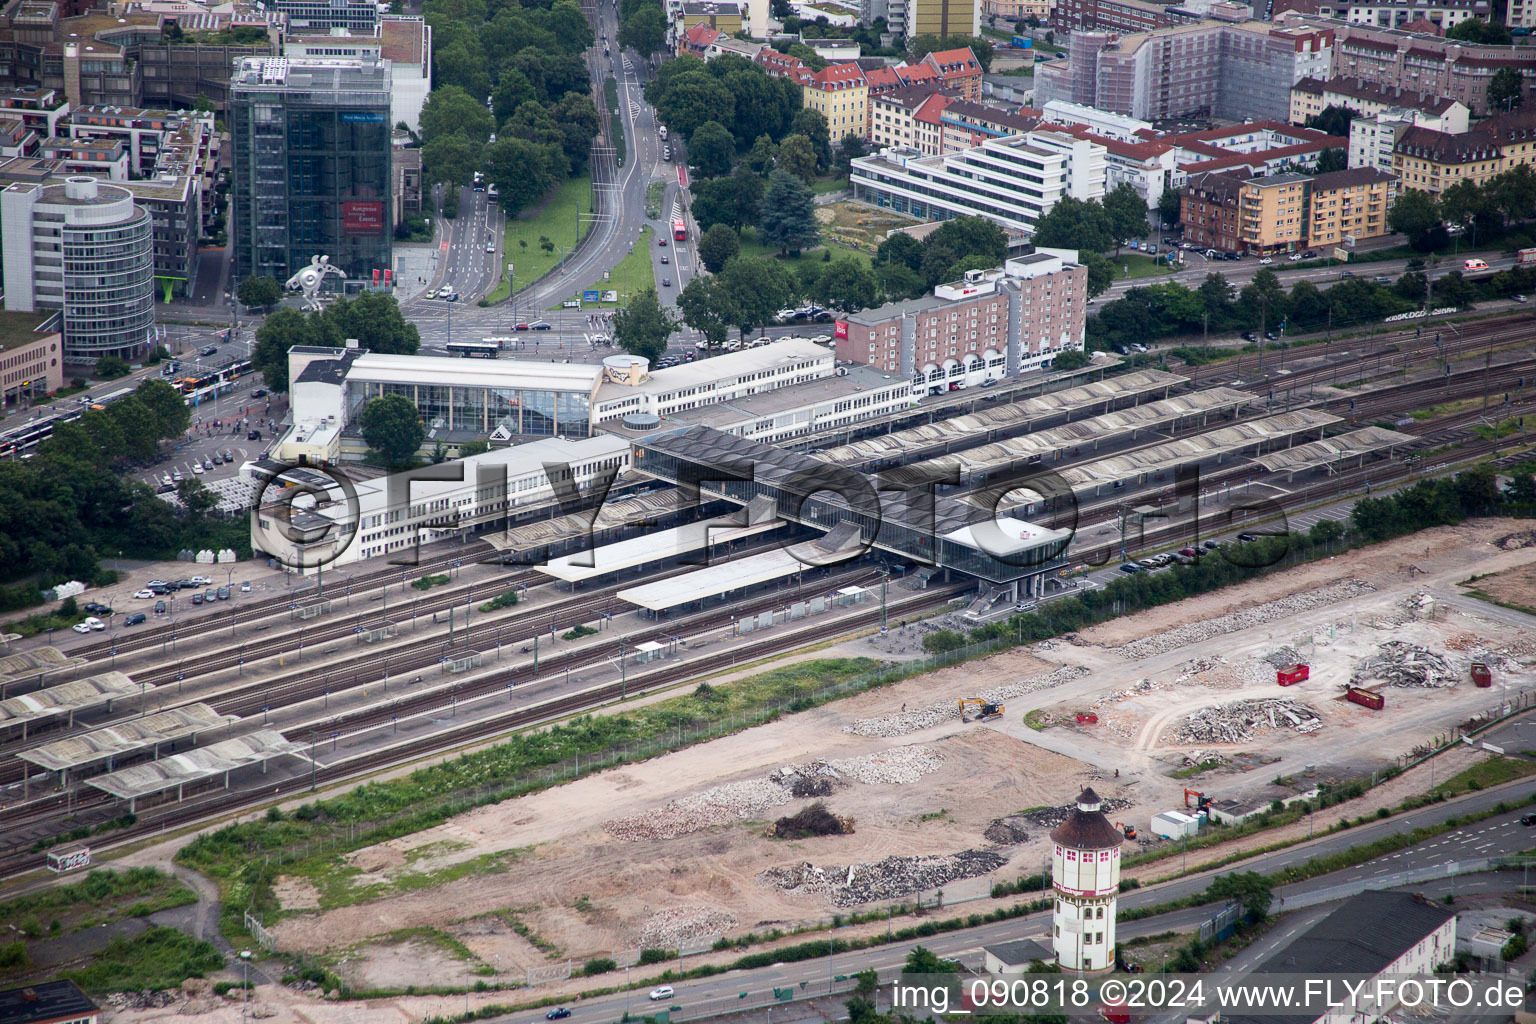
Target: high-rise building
1085	879
85	248
312	165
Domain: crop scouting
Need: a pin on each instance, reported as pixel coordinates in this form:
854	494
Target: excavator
1129	830
984	709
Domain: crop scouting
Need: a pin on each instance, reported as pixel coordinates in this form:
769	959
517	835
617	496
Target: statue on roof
307	281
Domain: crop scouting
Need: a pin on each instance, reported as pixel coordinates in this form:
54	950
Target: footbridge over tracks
897	512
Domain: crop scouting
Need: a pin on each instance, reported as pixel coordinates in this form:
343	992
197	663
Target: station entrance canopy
897	510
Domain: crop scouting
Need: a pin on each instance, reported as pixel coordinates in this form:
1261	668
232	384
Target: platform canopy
114	741
195	765
1002	417
713	580
652	547
1333	449
66	699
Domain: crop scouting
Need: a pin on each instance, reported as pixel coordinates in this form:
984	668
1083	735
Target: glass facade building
311	140
483	409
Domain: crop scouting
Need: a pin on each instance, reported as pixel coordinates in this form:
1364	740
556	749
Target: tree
1416	214
971	236
577	117
849	149
1170	205
760	158
392	427
1334	120
645	31
513	90
111	368
690	99
1514	192
902	248
1506	90
1453	290
451	160
1127	213
717	246
732	200
643	327
711	149
1476	30
1075	224
921	960
1248	889
260	292
1335	159
788	215
758	288
812	124
164	406
704	307
375	320
847	285
1101	272
523	171
449	110
798	157
197	498
1071	359
813	60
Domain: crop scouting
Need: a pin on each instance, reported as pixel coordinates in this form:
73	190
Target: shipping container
1365	698
1291	674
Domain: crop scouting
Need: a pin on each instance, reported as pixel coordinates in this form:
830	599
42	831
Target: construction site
935	788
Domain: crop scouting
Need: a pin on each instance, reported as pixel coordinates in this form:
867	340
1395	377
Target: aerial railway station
912	524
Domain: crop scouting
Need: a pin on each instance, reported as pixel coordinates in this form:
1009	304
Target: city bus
474	349
679	231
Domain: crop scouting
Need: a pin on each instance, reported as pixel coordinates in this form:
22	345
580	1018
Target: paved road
1492	837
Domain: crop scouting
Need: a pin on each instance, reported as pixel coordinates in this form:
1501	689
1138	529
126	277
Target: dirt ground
1515	586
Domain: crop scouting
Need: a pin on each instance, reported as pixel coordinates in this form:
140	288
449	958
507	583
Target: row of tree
373	319
729	90
1484	211
75	502
479	45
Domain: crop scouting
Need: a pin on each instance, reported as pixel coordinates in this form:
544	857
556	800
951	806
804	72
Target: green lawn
752	245
1140	266
555	220
632	275
824	185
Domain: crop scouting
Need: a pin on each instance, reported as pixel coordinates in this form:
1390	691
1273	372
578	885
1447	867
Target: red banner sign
362	217
840	329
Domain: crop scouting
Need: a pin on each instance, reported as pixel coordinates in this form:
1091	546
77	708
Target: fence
264	938
1429	873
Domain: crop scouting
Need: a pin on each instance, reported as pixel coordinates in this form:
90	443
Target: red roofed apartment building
960	71
840	93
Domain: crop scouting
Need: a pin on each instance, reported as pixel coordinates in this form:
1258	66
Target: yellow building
1432	161
841	93
942	17
1346	206
1272	213
722	17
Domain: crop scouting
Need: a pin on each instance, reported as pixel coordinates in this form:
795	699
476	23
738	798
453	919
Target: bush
158	958
14	954
599	965
577	632
943	641
505	599
654	956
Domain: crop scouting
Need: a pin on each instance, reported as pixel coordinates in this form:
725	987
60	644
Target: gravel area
898	766
676	927
1271	611
928	715
734	801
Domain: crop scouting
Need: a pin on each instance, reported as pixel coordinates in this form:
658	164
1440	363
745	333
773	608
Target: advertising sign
590	295
840	329
362	217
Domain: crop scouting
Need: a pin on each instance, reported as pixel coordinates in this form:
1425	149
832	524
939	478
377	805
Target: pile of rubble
889	879
947	711
146	1000
1281	657
1050	817
1516	541
1007	831
1270	611
681	927
1399	663
1239	720
734	801
896	766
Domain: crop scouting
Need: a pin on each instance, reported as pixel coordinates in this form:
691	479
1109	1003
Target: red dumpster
1291	674
1087	718
1365	698
1480	675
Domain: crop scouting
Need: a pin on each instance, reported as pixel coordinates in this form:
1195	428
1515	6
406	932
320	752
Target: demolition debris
1007	831
897	766
1399	663
947	711
889	879
1050	817
734	801
681	927
1240	720
1271	611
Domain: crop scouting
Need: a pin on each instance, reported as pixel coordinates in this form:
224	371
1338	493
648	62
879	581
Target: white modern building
85	248
629	386
396	512
1012	180
403	40
1085	880
1101	122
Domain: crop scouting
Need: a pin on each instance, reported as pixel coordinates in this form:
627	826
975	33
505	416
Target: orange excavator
1129	830
984	709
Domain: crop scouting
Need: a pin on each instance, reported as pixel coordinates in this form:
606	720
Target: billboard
840	329
362	217
590	295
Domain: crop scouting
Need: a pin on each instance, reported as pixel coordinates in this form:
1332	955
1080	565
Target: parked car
1130	567
97	608
1295	257
1188	551
159	607
1310	254
1246	537
245	586
199	581
1265	260
80	627
664	992
209	596
1211	545
197	598
135	619
143	594
197	469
